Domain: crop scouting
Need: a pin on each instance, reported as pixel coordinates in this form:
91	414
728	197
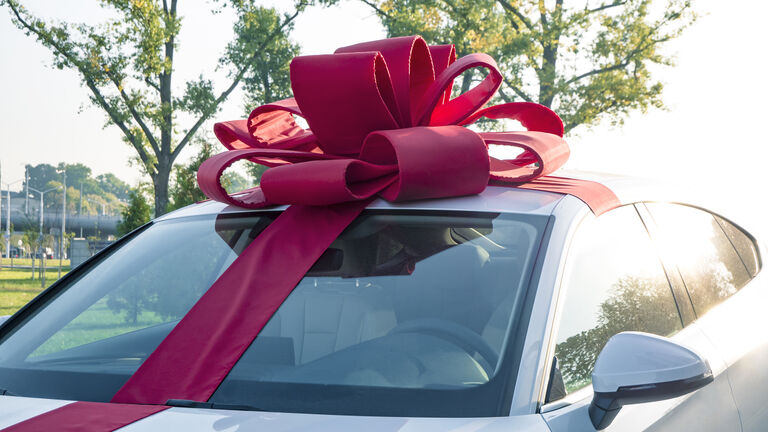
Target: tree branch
378	10
136	116
223	96
543	14
89	82
599	71
606	6
143	155
518	91
152	84
516	12
624	63
505	96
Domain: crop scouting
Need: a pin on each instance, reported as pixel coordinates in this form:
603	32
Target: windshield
406	313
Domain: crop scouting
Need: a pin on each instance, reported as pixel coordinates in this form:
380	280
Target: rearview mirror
636	367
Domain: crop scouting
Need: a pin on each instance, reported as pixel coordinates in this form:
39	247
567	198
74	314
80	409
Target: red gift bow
382	123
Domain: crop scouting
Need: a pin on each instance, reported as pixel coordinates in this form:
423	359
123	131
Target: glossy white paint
738	329
193	420
530	384
634	358
17	409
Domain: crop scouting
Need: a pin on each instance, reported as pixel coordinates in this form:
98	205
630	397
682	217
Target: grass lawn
96	323
16	287
28	262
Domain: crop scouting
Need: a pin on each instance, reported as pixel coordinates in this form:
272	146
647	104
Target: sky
711	135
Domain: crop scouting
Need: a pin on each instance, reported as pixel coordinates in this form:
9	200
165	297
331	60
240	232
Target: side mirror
636	367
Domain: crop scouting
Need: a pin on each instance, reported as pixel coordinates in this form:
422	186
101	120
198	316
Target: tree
588	62
184	189
31	240
40	175
136	214
111	184
636	304
127	64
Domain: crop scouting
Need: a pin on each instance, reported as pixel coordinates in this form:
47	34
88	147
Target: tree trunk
160	183
547	76
466	81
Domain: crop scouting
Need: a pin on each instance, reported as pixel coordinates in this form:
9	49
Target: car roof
494	198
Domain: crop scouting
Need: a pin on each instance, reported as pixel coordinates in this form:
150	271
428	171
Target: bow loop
410	65
437	111
382	122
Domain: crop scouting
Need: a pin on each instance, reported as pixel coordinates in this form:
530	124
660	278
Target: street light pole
63	218
26	194
7	251
8	220
40	239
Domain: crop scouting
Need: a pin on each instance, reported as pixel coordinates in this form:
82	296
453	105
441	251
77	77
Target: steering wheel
457	334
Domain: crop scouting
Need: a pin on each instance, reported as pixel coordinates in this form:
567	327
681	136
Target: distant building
81	249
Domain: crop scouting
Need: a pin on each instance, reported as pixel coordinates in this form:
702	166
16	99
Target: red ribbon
382	123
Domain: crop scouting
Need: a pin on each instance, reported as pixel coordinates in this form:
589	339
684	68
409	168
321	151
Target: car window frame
560	294
517	330
651	222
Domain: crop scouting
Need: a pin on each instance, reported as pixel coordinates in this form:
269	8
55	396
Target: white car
511	310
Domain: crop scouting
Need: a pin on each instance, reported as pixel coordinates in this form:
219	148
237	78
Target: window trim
750	237
714	217
671	269
558	301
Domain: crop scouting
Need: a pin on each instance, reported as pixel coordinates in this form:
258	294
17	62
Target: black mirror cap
605	406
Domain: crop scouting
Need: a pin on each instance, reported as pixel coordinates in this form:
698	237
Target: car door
615	281
719	264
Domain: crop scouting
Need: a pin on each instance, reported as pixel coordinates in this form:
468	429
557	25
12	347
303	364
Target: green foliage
638	304
136	214
104	193
635	305
589	62
110	184
269	79
40	175
127	64
184	189
31	240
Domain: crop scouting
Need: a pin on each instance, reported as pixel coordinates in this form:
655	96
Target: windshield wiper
185	403
4	392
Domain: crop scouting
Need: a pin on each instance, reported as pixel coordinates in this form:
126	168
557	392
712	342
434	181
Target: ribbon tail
197	355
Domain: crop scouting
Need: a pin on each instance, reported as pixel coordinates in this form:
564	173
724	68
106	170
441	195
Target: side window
745	246
615	283
711	268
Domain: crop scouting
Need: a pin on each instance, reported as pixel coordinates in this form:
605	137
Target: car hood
17	409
